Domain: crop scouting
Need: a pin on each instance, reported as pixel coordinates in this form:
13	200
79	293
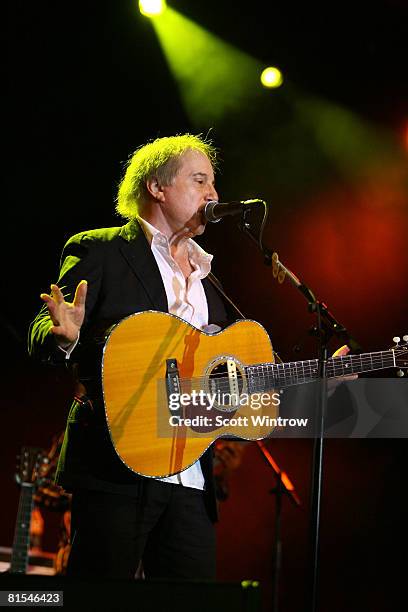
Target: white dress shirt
186	299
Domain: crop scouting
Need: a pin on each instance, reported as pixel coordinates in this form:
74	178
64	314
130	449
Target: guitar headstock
30	465
400	350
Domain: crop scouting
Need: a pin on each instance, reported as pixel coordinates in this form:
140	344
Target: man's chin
200	230
197	229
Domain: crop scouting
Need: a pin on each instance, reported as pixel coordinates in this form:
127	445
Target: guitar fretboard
21	542
267	376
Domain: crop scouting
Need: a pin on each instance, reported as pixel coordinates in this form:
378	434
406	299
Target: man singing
119	519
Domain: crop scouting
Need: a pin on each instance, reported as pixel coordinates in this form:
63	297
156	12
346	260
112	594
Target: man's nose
212	194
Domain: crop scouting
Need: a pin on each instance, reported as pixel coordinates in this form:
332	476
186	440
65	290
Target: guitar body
134	367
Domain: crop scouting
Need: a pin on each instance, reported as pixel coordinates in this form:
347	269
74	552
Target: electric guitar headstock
400	350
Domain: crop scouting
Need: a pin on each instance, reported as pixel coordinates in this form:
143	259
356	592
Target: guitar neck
264	377
21	542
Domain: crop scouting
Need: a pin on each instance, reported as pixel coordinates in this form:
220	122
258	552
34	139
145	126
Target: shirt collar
198	257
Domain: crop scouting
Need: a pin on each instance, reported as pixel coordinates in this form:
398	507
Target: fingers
59	309
66	317
57	297
57	294
53	302
46	298
343	350
52	307
335	382
80	293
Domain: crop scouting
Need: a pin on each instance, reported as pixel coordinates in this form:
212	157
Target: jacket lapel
216	308
137	252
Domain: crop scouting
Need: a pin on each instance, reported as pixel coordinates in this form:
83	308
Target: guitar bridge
172	378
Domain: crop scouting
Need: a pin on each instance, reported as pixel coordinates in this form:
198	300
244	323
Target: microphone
214	211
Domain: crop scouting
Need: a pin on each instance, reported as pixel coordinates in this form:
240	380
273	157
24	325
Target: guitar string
286	374
268	376
308	368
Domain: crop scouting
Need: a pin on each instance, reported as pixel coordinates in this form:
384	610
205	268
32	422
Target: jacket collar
137	252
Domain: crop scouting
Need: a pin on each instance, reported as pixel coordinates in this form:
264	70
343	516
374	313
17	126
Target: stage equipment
284	486
271	77
326	327
29	475
214	211
152	8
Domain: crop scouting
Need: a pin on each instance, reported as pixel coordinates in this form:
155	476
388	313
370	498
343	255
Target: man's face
185	198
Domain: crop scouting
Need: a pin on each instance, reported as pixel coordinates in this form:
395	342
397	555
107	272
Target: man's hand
67	317
333	383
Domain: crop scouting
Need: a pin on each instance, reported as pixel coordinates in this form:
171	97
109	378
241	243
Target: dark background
88	83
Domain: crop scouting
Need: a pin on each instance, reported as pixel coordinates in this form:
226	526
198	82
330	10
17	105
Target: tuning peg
405	338
396	339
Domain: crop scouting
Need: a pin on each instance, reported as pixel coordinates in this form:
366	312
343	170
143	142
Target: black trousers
166	527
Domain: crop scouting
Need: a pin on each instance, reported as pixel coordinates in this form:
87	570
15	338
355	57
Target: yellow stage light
215	78
152	8
271	77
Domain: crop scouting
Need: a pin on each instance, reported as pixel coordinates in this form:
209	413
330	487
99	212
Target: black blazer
123	278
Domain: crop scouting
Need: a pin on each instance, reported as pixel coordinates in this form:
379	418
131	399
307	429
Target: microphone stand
283	486
327	327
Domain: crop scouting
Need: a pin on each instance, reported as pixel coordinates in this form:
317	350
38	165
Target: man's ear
155	189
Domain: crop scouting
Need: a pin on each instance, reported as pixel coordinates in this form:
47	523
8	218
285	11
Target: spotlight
152	8
271	77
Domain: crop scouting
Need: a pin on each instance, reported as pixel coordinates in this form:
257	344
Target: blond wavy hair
161	159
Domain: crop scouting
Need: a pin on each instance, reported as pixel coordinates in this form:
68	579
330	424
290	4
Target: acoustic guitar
170	390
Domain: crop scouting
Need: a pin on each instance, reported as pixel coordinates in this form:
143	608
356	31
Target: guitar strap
214	280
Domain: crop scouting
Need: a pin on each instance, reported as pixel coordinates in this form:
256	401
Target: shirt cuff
68	349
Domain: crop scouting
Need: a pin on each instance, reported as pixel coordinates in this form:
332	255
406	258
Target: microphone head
208	212
213	211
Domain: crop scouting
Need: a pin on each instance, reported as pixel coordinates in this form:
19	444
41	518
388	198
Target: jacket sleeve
82	259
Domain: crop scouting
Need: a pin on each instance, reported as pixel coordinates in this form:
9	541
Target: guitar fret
265	377
353	364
